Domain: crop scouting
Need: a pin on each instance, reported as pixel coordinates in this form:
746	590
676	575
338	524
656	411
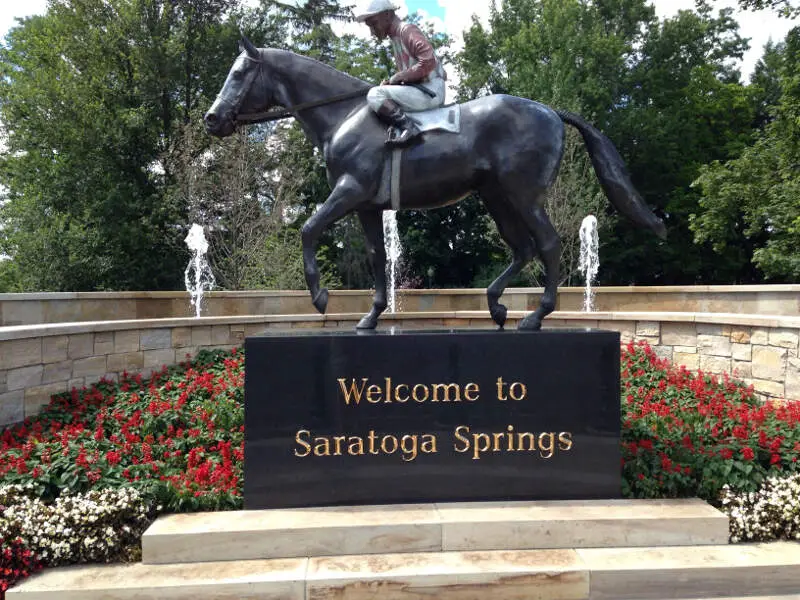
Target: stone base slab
333	531
737	571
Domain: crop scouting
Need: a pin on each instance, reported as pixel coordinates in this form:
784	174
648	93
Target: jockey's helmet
374	7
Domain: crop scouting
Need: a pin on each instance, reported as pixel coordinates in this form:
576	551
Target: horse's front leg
372	222
346	196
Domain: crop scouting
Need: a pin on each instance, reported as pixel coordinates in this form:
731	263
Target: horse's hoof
320	301
368	322
499	314
530	323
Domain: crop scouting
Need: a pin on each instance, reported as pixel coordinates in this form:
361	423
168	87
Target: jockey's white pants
409	98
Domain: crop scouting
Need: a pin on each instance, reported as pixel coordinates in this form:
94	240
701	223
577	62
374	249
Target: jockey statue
419	83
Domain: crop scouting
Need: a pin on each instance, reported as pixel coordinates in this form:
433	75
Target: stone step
758	571
523	575
335	531
693	572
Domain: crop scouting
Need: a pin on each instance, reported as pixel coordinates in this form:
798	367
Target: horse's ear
247	46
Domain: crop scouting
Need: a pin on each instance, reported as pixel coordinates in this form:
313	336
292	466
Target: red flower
748	454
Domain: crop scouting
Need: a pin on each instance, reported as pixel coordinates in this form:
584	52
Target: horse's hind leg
372	222
516	235
548	244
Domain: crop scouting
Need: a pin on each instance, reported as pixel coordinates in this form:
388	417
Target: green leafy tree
91	94
757	195
785	8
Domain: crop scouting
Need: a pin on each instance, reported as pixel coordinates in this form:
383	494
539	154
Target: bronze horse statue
508	151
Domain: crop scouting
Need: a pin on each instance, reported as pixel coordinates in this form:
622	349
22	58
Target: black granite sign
430	416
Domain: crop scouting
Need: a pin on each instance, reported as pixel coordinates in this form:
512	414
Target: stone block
103	342
710	329
742	370
20	353
24	377
686	349
181	337
38	397
126	361
80	345
715	364
741	335
237	336
155	359
690	361
760	336
664	352
253	329
60	371
769	388
12	407
111	377
3	382
714	345
792	388
769	363
626	329
126	341
94	366
742	352
76	383
201	336
54	349
648	329
220	334
155	339
679	334
783	338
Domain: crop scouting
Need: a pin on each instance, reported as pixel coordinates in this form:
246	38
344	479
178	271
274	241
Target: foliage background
105	164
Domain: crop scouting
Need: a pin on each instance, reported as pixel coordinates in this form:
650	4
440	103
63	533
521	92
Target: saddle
445	118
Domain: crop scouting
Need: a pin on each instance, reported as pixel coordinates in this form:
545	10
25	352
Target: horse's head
243	92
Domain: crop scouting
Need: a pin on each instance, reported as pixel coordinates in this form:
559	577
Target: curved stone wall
30	309
37	361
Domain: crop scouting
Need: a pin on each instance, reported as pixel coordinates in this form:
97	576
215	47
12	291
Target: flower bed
117	455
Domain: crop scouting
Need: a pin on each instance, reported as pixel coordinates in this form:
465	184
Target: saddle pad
447	118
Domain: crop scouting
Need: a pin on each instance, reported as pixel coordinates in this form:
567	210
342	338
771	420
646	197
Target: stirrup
400	137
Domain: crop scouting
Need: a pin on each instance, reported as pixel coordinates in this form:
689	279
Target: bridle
234	104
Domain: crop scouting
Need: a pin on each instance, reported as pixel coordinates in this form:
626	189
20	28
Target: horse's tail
613	176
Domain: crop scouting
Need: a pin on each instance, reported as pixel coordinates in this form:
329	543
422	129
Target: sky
454	16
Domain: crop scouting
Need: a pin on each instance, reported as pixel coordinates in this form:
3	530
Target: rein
276	115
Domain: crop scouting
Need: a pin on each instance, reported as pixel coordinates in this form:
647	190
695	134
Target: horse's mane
286	54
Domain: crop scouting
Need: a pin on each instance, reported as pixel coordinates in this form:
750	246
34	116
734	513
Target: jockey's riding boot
402	129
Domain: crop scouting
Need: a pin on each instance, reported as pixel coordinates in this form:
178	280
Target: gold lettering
356	447
397	394
447	387
394	442
498	437
353	392
531	441
565	441
374	389
483	446
322	446
500	385
520	396
303	443
337	442
428	445
372	440
549	447
460	438
414	392
409	450
388	396
511	448
469	390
